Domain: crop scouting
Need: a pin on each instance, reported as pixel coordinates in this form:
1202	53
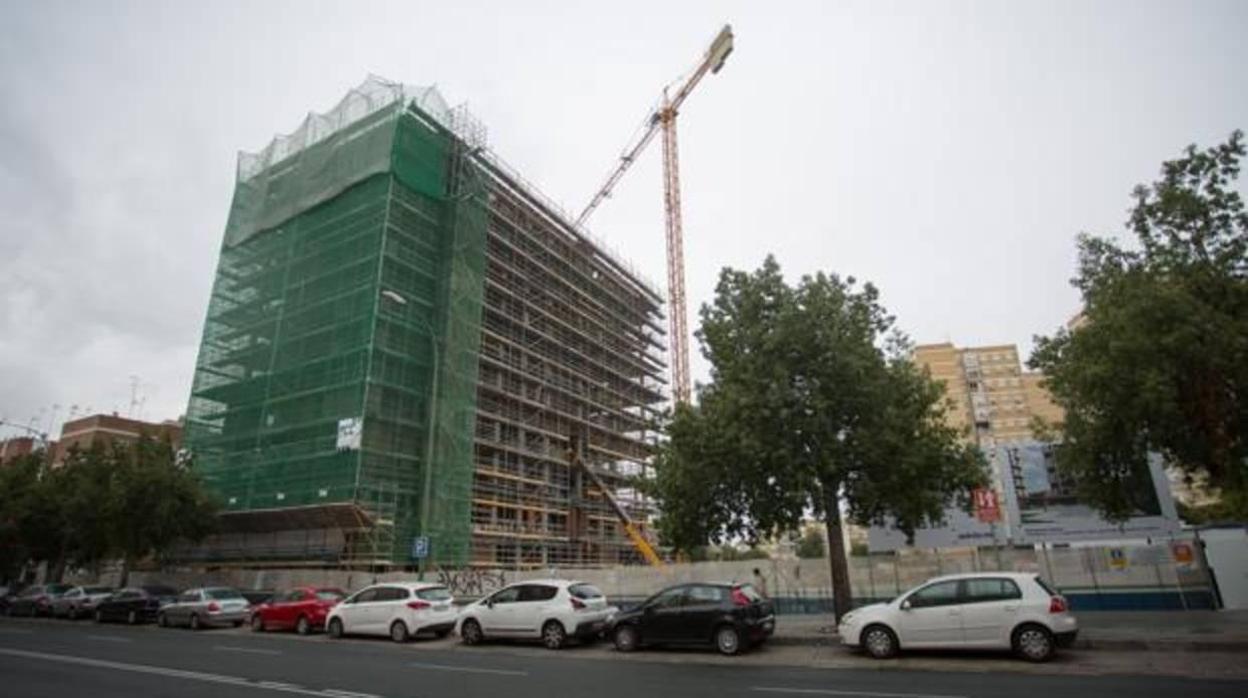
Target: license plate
442	607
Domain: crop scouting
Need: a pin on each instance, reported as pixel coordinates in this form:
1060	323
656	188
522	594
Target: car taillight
214	607
739	598
418	605
577	604
1057	604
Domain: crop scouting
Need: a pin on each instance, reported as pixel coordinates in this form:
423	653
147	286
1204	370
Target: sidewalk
1182	631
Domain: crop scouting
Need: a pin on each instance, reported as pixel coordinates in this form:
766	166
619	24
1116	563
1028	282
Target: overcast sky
949	152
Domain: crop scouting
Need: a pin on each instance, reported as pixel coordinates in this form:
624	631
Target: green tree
157	502
88	486
810	545
19	488
813	405
1159	362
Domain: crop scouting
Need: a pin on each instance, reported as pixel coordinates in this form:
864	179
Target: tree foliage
1159	360
813	405
810	545
129	501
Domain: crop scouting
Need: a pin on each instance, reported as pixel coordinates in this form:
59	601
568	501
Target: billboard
1045	507
1039	504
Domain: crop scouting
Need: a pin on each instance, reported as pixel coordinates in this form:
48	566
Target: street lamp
433	402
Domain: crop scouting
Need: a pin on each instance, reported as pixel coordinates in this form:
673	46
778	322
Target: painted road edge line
471	669
249	650
173	673
834	692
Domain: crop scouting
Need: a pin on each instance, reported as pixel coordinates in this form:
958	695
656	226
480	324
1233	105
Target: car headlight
848	618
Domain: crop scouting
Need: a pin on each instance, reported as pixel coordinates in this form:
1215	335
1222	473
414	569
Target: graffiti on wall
472	581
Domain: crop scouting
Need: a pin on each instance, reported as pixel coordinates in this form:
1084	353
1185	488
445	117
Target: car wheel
727	640
335	628
879	641
303	626
626	638
132	618
1034	643
162	620
398	631
257	623
194	621
553	635
470	632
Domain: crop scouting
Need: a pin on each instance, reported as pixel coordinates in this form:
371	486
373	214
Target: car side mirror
906	605
489	603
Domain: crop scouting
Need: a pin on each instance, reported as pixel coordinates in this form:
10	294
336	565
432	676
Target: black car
727	616
36	600
134	604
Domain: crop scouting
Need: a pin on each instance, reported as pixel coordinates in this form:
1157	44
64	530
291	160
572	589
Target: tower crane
663	118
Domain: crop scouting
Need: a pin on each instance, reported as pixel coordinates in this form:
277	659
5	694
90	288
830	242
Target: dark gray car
205	607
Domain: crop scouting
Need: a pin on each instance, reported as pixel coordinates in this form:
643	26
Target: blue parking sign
420	547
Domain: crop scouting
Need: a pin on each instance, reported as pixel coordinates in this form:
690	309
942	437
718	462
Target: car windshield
222	594
1044	585
58	588
330	594
97	590
434	594
585	591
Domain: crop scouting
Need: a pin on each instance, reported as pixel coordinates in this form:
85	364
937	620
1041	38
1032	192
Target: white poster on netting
350	431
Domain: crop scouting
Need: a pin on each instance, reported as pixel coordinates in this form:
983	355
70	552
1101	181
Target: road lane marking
348	694
250	650
470	669
174	673
832	692
109	638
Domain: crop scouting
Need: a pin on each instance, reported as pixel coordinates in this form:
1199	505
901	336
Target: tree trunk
842	595
125	572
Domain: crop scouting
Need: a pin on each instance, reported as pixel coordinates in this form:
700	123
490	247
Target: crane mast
663	118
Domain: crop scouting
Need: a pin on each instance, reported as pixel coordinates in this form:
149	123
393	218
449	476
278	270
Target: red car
303	609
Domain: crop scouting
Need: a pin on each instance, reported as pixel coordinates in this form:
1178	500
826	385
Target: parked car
204	608
79	602
729	616
304	609
134	604
255	598
36	600
552	610
7	595
398	609
999	610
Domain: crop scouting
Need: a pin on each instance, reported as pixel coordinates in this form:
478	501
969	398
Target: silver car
79	602
205	607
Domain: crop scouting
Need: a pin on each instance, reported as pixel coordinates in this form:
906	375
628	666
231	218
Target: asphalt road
58	658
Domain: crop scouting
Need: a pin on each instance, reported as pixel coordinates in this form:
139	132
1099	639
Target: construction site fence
1168	574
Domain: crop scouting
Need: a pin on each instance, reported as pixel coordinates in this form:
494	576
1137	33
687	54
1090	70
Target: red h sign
986	508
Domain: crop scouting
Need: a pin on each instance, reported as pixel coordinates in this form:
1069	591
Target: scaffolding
402	326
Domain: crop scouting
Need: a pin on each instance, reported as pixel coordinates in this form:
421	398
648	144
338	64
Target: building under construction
402	337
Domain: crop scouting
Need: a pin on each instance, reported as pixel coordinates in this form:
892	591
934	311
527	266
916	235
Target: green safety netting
344	314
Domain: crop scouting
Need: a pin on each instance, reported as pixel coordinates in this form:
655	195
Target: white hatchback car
551	610
398	609
990	610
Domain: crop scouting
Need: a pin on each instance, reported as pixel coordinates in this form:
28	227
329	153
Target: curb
1083	643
